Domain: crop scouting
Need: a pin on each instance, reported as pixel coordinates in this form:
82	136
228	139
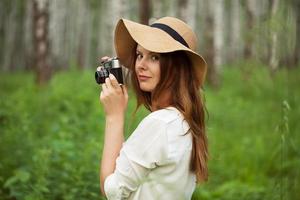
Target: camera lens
101	75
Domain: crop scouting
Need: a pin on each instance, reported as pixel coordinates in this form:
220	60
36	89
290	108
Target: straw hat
167	34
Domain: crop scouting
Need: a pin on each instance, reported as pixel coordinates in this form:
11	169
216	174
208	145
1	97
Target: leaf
20	175
23	176
11	181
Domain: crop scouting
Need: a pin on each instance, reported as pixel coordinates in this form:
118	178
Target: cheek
157	73
135	67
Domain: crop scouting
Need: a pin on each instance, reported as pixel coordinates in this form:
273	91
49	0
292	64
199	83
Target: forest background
51	121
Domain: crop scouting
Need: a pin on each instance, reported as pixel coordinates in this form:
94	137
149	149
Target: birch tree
250	18
215	38
82	33
169	7
209	52
58	31
273	60
235	30
186	11
218	33
182	11
41	41
296	56
118	11
8	34
12	23
157	9
200	28
191	16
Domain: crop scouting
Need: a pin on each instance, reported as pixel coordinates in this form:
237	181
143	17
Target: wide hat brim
129	33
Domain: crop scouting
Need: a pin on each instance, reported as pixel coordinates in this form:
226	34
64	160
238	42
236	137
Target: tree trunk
248	51
81	38
9	31
58	33
145	11
273	60
182	11
212	73
40	40
218	33
297	47
186	11
191	17
12	14
118	11
235	31
157	9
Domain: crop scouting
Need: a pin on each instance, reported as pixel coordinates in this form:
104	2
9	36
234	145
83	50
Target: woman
167	154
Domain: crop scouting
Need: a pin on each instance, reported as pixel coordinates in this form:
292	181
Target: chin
146	89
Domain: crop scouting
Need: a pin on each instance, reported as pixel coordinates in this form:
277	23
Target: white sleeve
144	150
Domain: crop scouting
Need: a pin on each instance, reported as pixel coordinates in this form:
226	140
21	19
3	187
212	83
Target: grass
51	137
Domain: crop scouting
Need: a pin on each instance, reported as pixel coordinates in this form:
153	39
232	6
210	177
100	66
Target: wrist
119	118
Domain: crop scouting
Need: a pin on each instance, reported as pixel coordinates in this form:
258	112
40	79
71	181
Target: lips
143	77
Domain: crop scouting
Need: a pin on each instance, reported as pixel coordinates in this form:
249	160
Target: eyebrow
150	52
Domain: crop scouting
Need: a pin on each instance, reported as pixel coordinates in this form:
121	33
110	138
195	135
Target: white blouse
154	161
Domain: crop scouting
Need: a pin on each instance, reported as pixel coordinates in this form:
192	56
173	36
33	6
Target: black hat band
170	32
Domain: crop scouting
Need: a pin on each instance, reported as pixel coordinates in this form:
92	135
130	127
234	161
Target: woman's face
147	68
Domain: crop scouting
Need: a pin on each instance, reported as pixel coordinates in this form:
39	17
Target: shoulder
157	124
166	115
169	118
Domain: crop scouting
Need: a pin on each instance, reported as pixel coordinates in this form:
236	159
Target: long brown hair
178	77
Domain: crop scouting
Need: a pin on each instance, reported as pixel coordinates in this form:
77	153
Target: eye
139	55
155	57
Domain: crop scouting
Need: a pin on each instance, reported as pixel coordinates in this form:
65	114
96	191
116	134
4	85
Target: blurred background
51	121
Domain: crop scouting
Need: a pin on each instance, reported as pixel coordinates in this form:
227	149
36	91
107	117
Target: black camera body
112	66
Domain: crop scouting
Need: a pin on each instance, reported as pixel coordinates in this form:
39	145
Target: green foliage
253	137
51	137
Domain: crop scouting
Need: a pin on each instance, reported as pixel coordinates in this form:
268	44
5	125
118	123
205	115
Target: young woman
166	156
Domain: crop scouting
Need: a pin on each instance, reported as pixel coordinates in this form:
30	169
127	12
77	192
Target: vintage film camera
111	66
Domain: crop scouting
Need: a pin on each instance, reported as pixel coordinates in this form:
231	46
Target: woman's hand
113	96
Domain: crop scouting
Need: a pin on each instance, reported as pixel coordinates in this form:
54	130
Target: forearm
113	140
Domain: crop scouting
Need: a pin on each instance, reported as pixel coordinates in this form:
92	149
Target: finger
102	97
104	88
125	92
104	59
114	81
108	83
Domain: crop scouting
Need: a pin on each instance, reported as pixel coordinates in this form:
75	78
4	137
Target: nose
141	64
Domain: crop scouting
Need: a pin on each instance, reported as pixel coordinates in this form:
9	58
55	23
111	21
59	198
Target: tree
157	9
145	10
209	45
182	10
235	33
186	11
218	33
297	47
40	40
273	60
249	7
214	36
